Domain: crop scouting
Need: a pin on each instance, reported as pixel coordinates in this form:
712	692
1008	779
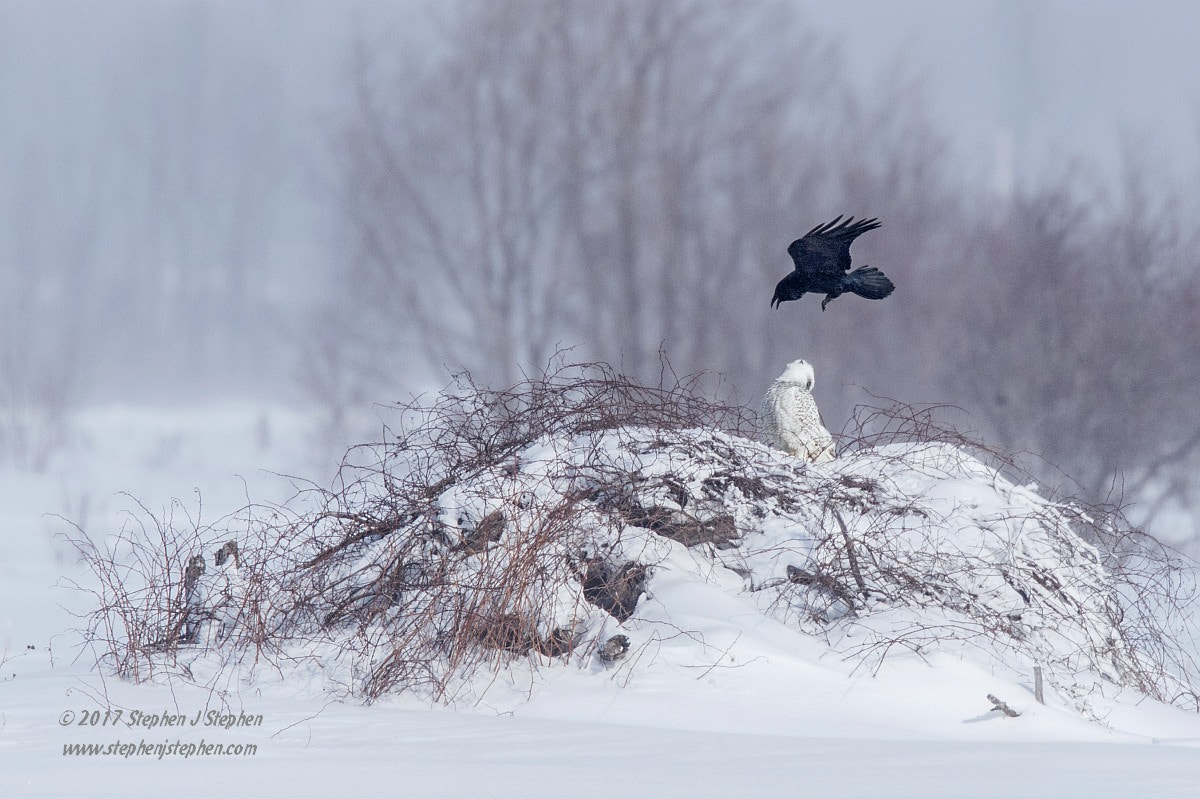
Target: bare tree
1079	350
623	176
450	187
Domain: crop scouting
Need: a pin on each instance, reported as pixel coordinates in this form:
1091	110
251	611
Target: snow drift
575	519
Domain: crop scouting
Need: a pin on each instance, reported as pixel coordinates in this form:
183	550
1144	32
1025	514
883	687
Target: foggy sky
1023	90
1068	79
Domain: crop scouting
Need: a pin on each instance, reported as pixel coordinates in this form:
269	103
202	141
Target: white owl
789	416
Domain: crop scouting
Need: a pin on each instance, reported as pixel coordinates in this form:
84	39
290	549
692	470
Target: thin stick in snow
1002	707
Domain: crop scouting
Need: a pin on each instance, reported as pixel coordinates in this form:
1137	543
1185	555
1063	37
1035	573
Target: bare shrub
498	529
450	587
166	584
1138	592
139	589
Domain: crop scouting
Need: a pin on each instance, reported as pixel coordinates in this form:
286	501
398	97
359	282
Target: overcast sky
92	90
1063	78
1047	80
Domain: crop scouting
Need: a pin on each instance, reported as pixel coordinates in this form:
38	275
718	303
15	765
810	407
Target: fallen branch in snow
1002	707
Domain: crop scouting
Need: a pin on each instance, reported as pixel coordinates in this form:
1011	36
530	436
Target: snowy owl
790	418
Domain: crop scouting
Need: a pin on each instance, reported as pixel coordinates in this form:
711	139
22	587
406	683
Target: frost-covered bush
532	526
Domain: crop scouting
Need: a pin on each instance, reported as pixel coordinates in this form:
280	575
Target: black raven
822	260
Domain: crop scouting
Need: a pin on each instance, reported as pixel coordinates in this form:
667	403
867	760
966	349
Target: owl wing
805	433
817	443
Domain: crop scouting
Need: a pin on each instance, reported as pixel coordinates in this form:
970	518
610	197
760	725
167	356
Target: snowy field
765	718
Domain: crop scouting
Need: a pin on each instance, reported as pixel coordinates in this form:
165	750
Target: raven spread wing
825	250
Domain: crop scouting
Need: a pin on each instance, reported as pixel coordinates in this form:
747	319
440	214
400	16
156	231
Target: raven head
783	294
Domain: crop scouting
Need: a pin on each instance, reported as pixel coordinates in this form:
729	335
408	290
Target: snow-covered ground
763	717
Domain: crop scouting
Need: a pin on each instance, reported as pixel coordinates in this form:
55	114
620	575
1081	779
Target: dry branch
519	526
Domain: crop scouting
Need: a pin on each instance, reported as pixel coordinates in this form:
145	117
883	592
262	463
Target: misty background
331	205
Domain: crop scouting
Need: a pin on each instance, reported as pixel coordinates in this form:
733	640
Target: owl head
800	371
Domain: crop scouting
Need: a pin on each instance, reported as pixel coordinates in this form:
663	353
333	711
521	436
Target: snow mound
471	543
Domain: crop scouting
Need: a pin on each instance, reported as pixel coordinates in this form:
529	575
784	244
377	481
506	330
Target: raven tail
869	282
